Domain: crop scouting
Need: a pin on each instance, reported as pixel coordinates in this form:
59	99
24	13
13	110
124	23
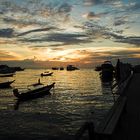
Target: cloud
22	22
63	38
8	32
95	2
135	40
41	12
133	6
36	30
91	2
91	15
89	56
5	55
96	31
58	49
119	22
64	8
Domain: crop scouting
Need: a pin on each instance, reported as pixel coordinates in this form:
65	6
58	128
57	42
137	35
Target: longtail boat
7	75
33	93
6	84
47	74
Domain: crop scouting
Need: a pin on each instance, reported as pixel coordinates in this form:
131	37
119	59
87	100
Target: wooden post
91	132
88	126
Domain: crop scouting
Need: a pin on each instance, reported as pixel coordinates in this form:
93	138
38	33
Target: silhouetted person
39	81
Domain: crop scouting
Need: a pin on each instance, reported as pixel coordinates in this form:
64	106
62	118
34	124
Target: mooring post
88	126
91	133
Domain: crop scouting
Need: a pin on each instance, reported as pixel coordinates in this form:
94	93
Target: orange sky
86	32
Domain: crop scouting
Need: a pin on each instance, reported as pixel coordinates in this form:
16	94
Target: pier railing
119	87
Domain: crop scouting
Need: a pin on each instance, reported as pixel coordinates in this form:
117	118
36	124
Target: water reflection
76	96
18	101
16	105
106	87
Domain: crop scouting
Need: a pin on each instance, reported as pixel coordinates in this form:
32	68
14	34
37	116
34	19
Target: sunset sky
58	32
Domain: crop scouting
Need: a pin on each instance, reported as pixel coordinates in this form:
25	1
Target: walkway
129	126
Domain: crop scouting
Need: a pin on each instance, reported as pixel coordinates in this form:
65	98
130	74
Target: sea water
78	96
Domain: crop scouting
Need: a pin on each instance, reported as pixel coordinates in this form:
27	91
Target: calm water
78	96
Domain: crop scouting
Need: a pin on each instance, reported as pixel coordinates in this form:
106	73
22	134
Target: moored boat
71	68
55	68
61	68
47	74
6	84
7	75
98	68
107	71
33	93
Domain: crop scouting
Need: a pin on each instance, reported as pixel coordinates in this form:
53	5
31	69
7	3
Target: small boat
98	68
31	94
71	67
47	74
55	68
6	84
7	75
107	71
61	68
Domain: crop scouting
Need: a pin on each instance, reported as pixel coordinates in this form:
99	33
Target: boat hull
46	74
7	75
35	93
6	84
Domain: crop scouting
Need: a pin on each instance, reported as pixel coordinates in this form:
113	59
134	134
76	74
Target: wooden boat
71	68
6	84
107	71
33	93
7	75
61	68
55	68
47	74
98	68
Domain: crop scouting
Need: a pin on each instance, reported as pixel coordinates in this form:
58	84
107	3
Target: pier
129	125
122	122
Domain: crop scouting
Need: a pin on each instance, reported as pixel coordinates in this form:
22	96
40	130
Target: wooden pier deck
129	125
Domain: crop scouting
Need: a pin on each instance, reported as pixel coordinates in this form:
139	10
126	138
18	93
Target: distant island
6	69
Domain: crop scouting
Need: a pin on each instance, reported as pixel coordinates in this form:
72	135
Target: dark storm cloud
63	38
135	40
37	30
8	32
130	40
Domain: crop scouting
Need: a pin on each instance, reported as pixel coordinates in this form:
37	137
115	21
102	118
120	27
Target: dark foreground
27	126
129	126
18	125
